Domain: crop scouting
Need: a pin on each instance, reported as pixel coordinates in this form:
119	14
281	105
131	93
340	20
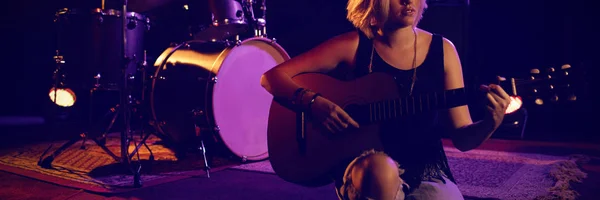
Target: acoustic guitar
304	153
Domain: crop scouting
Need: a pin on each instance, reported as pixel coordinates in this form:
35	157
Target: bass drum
214	87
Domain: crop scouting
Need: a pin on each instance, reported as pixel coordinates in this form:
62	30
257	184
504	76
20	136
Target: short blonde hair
361	12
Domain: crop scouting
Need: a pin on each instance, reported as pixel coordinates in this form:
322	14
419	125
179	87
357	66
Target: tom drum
91	43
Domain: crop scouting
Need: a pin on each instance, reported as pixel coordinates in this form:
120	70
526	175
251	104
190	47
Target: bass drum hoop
214	69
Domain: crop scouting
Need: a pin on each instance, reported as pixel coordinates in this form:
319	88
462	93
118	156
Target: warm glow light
65	97
515	104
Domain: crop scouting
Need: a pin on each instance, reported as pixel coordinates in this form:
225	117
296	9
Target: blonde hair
361	13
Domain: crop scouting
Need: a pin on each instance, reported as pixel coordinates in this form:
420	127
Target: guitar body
322	151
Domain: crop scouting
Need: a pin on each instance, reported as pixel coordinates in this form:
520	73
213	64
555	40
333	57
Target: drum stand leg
206	167
202	149
125	142
47	162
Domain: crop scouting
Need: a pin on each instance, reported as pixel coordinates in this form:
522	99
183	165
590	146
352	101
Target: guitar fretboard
416	104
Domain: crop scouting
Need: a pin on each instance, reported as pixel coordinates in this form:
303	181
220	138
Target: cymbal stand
261	23
125	158
249	13
258	24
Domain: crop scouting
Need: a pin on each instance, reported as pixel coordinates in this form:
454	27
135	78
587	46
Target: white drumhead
241	105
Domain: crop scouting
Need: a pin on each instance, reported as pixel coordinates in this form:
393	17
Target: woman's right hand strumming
331	116
321	59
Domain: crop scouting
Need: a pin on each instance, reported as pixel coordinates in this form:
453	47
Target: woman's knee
376	175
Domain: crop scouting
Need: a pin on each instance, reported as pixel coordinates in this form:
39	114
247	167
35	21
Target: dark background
493	37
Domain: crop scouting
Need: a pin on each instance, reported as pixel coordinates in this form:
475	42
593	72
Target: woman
389	41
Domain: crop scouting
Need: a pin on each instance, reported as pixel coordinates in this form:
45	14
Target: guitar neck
427	102
412	105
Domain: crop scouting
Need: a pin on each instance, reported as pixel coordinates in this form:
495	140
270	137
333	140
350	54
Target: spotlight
64	97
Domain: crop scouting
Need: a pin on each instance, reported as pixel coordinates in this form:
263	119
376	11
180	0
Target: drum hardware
228	19
258	24
117	110
101	142
102	53
59	76
202	148
125	94
231	18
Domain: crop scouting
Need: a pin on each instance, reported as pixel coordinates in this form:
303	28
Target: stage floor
231	183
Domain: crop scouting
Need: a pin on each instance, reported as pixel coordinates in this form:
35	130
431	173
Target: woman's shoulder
348	37
430	35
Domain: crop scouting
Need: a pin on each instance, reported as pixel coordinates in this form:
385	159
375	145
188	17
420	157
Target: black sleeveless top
414	141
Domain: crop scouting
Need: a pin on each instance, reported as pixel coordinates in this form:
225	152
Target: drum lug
274	41
157	77
173	44
148	24
197	112
100	18
132	22
244	158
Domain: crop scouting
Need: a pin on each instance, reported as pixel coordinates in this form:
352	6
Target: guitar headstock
550	85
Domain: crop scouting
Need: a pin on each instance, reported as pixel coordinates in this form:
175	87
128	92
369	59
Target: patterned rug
492	174
94	170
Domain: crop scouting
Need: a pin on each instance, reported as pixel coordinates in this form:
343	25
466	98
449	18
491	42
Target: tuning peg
554	98
534	72
566	68
539	101
551	70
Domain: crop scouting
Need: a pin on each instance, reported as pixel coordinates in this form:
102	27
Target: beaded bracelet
312	101
300	97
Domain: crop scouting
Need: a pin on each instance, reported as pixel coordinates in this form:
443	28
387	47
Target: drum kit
205	89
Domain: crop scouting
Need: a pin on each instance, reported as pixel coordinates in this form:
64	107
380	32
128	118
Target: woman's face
404	13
